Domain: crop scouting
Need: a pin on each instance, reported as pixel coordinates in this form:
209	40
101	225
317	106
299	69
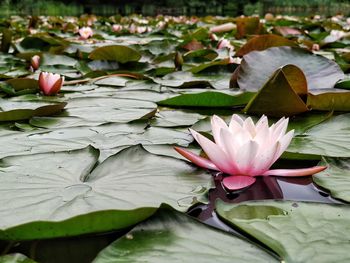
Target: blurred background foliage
173	7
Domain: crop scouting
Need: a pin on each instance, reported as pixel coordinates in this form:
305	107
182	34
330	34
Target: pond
156	139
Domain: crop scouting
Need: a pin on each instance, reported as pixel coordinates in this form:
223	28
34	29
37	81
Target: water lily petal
295	172
284	141
280	128
245	157
262	123
249	126
238	182
263	134
57	86
52	78
230	148
264	159
236	120
216	125
214	153
196	159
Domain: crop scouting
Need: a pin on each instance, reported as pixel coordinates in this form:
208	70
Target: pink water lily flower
85	32
243	150
35	62
49	83
117	28
224	43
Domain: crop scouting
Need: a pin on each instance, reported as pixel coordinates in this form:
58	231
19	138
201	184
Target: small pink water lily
49	83
35	62
224	43
117	28
85	32
244	150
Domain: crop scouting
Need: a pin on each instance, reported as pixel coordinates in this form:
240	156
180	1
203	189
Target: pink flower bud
49	83
35	62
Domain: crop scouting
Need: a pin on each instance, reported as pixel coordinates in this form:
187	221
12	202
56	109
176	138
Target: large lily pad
104	137
336	178
280	95
296	231
71	196
21	110
109	109
329	138
208	99
173	237
263	42
336	100
258	66
117	53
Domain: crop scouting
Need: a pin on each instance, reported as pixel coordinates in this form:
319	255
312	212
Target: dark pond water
265	188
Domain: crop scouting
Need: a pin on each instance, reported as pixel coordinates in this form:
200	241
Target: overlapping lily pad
336	178
14	110
296	231
173	237
71	196
258	66
329	138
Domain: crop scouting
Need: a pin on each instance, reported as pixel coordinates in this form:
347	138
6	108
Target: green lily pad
279	96
22	110
248	26
296	231
263	42
15	258
336	178
173	237
258	66
208	99
329	101
70	196
117	53
175	118
329	138
109	109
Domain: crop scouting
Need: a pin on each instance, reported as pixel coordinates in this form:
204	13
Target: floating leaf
279	96
22	110
70	196
208	99
296	231
117	53
343	84
336	178
263	42
330	138
329	101
173	237
248	26
258	66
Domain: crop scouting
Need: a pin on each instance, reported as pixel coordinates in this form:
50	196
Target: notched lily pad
257	67
70	196
280	95
11	110
336	178
173	237
296	231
